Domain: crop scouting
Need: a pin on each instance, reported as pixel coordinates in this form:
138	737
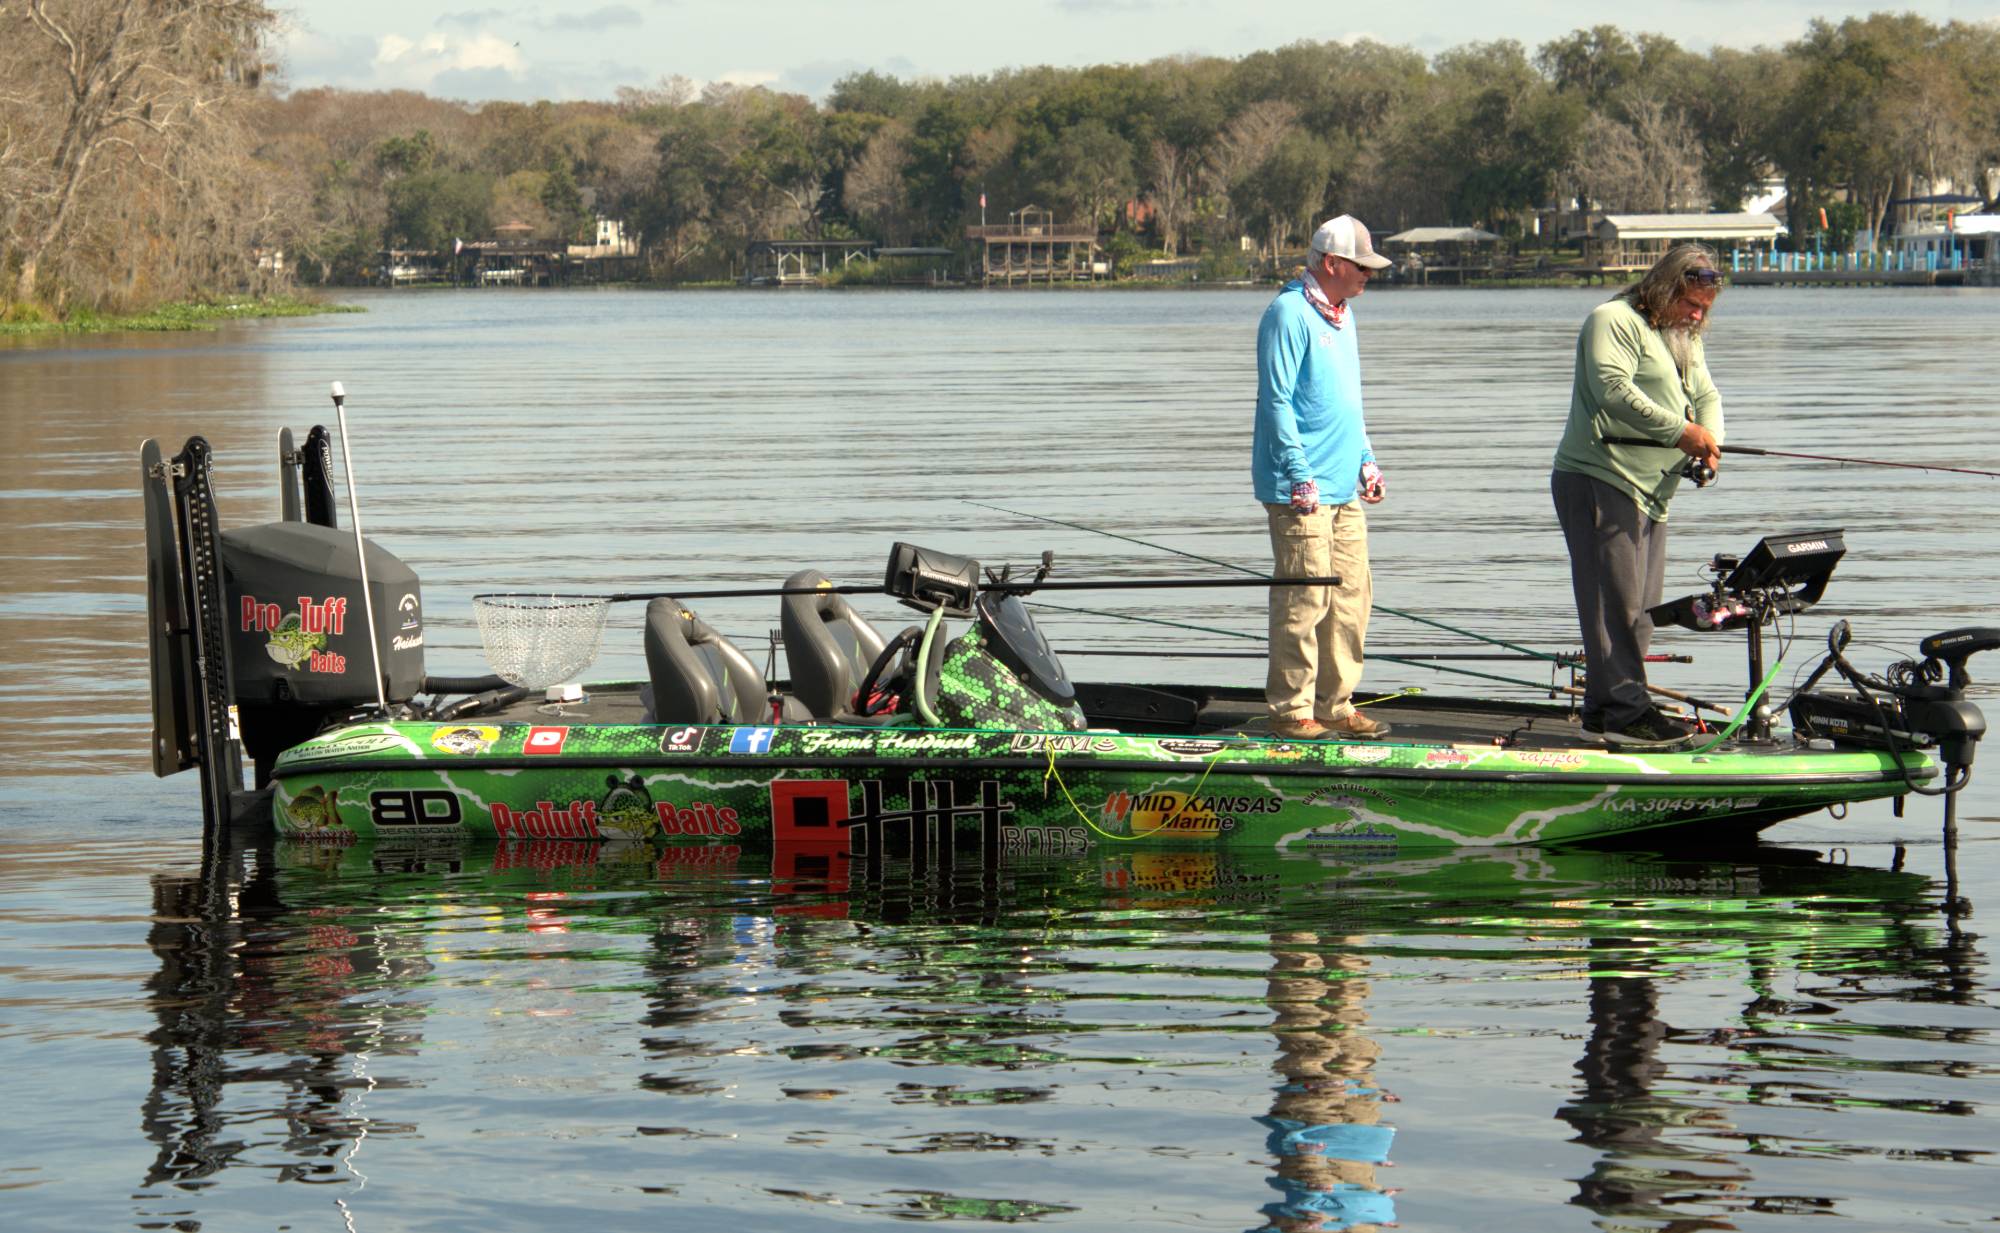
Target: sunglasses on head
1704	277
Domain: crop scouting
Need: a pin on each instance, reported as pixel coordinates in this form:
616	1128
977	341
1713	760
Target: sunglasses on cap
1702	276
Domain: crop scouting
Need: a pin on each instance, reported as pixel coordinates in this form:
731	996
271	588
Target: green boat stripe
831	767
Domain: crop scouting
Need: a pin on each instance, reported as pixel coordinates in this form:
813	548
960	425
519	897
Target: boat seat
699	677
828	646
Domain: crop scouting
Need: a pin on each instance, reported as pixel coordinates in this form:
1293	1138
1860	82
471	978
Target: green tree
405	156
429	209
564	202
1089	172
1283	194
935	170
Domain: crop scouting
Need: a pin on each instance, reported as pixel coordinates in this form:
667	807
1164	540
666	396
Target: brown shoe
1307	729
1356	726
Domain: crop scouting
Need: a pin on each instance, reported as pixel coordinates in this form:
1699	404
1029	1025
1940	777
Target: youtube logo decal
544	740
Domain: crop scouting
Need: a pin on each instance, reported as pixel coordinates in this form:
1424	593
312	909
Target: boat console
1779	576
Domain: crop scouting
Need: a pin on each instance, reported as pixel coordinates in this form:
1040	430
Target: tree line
146	151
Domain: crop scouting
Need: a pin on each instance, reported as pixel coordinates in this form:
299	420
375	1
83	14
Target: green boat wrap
871	789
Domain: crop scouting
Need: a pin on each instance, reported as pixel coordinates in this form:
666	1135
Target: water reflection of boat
286	964
314	642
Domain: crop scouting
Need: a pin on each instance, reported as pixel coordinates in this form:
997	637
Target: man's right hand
1305	496
1698	442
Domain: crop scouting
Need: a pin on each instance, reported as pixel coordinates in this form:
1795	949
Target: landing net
539	640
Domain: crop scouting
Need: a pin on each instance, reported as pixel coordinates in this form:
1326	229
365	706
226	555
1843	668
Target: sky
478	50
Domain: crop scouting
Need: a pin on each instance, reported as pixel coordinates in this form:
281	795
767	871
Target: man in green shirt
1640	375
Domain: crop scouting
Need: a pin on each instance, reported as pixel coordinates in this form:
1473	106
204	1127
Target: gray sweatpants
1617	563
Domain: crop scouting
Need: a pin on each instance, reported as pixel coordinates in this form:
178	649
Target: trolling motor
1916	703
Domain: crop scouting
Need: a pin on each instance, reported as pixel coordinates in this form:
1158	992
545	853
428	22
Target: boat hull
901	790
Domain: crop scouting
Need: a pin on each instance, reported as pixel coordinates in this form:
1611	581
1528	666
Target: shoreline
178	317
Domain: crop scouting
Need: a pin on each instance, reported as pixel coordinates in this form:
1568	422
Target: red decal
544	740
700	818
808	810
547	820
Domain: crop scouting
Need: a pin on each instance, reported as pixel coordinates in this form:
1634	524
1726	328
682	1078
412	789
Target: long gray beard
1680	341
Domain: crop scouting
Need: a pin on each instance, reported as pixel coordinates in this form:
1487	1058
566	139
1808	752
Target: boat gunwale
1925	771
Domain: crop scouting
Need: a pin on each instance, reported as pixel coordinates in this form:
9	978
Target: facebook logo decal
750	740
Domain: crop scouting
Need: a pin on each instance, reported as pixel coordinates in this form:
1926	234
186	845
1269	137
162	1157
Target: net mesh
539	640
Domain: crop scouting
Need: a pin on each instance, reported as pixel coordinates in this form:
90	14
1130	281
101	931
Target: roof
1689	226
1441	235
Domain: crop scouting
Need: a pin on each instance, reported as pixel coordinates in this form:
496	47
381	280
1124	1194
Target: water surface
260	1039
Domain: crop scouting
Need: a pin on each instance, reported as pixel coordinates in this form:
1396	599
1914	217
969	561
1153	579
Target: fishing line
1195	556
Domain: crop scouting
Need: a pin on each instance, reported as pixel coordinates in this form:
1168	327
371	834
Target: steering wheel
866	701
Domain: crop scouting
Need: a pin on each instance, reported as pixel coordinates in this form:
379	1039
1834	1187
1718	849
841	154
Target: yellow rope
1052	773
1401	693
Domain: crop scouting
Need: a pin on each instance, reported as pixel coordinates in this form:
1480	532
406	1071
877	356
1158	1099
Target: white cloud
748	77
416	63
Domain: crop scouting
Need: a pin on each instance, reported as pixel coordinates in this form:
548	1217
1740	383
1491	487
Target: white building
1977	236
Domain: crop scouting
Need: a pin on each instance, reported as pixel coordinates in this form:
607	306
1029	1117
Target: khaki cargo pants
1317	633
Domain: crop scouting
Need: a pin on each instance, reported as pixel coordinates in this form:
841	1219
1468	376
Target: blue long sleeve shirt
1309	424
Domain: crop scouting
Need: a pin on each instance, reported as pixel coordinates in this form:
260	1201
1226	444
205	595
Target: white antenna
360	548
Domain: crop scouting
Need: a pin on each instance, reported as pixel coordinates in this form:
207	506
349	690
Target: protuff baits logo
626	811
298	638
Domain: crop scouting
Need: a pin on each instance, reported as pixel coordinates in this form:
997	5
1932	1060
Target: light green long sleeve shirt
1627	386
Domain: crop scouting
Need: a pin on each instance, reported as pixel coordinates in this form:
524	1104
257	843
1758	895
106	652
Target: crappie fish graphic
290	644
627	809
315	809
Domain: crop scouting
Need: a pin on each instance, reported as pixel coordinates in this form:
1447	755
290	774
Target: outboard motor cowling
297	621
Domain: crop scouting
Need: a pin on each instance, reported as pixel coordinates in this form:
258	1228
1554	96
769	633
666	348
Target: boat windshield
1011	630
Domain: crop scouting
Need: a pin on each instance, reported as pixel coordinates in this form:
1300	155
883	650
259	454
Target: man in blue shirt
1313	469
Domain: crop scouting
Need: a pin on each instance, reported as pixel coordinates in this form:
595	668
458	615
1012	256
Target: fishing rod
1233	633
1862	462
1015	588
1531	652
1408	657
1527	652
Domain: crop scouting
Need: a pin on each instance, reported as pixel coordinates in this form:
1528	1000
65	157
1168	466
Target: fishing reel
1699	472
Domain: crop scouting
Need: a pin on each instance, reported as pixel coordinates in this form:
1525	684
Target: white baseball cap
1346	237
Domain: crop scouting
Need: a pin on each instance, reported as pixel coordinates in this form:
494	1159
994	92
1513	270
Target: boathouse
799	263
1629	242
1032	245
1442	254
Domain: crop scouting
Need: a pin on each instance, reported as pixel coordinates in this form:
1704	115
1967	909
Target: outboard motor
259	634
298	640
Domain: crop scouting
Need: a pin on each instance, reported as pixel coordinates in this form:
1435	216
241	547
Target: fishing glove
1305	496
1373	486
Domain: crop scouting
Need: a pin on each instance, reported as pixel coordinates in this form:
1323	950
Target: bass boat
298	647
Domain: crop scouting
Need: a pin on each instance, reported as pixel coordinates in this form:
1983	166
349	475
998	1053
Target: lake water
261	1038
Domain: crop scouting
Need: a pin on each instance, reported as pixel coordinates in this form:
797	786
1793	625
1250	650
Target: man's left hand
1373	486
